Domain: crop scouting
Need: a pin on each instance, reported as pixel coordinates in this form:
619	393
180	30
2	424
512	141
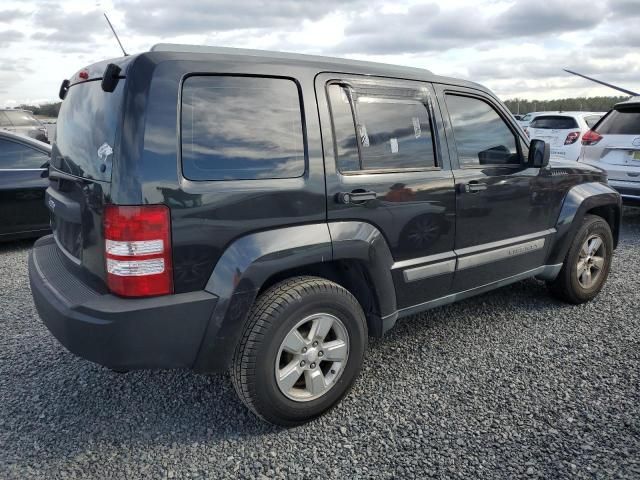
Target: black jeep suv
264	213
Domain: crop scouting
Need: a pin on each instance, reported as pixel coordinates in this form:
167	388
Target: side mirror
539	153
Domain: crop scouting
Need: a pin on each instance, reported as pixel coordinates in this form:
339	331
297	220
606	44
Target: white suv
614	145
562	131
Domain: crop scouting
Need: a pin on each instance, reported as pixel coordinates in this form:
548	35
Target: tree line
586	104
50	109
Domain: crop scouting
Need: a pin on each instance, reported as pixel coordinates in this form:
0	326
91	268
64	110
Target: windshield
20	118
620	123
86	131
557	122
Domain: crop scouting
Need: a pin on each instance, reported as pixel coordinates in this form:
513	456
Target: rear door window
555	122
17	156
383	130
481	135
620	123
241	128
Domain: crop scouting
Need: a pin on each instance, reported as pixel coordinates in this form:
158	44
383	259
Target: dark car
264	213
23	180
22	122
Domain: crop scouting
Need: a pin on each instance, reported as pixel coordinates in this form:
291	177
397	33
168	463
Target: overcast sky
515	47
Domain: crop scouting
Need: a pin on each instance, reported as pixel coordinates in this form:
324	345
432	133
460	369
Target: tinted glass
4	120
481	136
592	120
241	128
554	122
394	133
344	129
620	123
15	155
86	130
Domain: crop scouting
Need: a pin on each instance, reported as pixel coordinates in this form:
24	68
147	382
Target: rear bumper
629	191
119	333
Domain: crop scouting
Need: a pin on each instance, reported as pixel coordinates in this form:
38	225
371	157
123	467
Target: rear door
503	218
81	165
385	166
23	180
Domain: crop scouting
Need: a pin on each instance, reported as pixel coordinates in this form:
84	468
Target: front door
385	166
503	221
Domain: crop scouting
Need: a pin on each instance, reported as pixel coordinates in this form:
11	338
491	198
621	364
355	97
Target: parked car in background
563	131
526	119
22	122
613	144
24	164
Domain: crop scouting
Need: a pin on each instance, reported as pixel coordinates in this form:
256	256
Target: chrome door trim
495	255
420	260
450	262
427	271
503	243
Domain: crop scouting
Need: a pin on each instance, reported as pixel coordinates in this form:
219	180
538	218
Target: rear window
555	122
620	123
22	119
592	120
86	131
241	128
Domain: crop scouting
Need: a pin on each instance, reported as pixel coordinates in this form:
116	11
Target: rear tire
587	264
301	350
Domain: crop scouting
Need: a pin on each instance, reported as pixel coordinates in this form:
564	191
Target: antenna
620	89
115	35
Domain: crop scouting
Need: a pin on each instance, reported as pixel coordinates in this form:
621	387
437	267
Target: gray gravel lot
508	384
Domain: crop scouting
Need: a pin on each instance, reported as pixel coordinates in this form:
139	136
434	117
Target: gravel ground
509	384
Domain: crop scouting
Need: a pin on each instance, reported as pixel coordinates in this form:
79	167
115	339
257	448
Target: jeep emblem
636	142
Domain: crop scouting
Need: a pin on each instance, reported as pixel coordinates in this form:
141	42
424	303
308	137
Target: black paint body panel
230	238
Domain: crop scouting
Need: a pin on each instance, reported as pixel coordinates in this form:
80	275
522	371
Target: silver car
22	122
613	144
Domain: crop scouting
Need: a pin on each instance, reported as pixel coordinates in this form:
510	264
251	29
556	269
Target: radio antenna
115	35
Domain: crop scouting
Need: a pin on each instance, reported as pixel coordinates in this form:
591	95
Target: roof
268	54
632	102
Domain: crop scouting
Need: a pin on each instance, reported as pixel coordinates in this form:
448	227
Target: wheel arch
353	254
588	198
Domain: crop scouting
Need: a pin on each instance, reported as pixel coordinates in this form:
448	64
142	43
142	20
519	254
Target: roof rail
175	47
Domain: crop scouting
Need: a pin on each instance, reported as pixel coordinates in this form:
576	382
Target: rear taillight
591	138
572	138
138	250
526	130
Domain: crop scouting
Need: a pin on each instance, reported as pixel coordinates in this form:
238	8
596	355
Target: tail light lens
138	250
526	130
591	138
572	138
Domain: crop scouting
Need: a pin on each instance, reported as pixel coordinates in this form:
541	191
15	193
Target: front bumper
119	333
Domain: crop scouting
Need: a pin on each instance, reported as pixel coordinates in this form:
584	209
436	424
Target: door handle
473	187
357	196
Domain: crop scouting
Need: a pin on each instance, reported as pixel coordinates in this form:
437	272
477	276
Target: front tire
587	264
302	348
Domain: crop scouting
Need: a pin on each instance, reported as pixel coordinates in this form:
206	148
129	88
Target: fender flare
249	261
577	202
